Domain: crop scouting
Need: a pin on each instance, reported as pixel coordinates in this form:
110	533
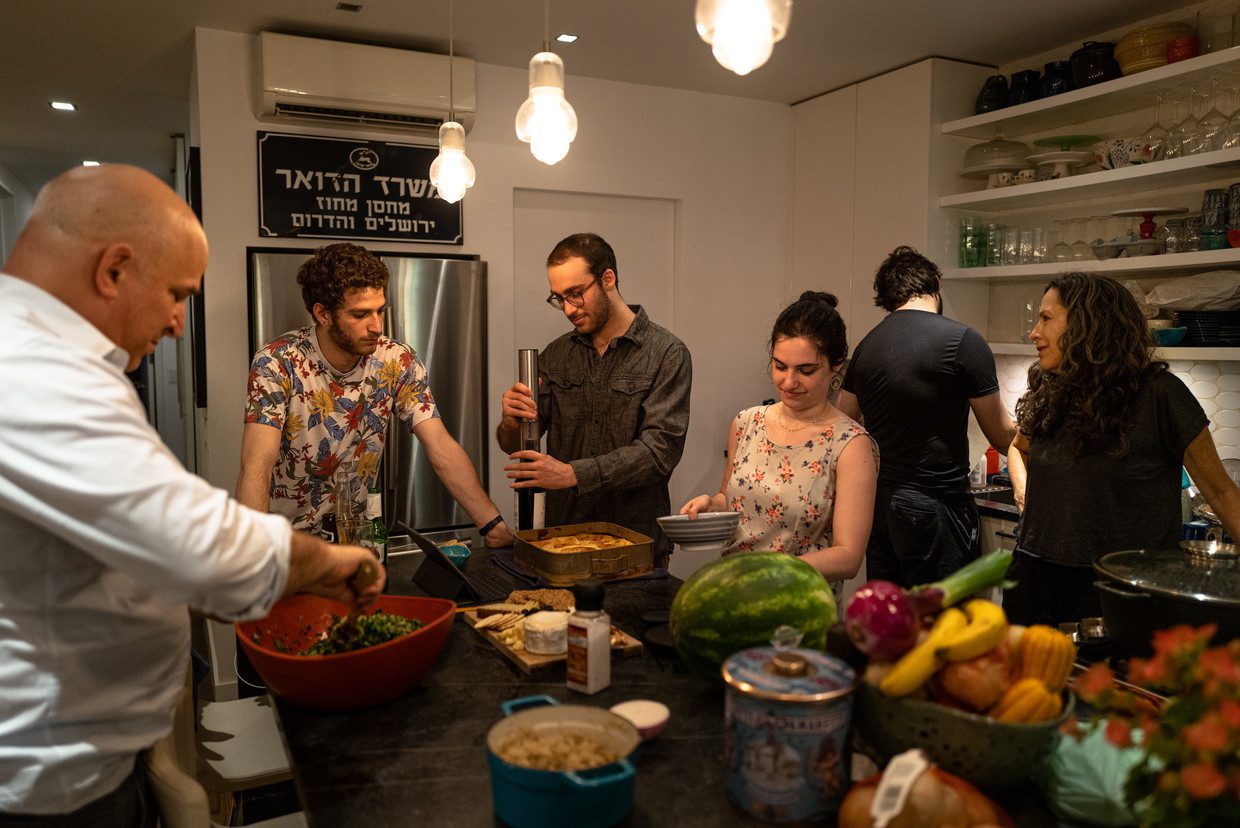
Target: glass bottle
588	667
374	534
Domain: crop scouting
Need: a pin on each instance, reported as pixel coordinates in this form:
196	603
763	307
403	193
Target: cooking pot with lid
1144	590
528	797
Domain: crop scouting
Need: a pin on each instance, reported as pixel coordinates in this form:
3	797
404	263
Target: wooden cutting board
529	662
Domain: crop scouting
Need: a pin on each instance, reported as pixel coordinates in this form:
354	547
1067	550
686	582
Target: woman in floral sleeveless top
802	481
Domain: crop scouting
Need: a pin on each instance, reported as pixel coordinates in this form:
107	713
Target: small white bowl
647	716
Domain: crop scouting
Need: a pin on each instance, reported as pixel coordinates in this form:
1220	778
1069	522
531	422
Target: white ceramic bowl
647	716
1143	247
707	527
1106	251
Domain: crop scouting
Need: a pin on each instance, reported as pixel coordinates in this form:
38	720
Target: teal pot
525	797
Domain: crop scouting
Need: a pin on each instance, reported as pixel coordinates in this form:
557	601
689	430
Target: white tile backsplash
1215	384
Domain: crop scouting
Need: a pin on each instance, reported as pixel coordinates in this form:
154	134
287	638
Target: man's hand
538	470
499	537
338	572
518	406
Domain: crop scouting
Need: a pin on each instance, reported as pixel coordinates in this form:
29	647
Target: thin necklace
803	426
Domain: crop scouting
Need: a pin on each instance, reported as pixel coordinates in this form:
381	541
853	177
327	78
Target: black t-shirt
913	376
1079	508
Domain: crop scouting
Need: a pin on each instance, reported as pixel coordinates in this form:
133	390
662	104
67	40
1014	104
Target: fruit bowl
989	753
344	681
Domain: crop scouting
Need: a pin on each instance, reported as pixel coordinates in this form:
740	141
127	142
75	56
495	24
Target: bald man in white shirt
107	539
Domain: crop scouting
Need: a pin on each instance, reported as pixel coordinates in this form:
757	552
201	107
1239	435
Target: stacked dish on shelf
995	161
1146	47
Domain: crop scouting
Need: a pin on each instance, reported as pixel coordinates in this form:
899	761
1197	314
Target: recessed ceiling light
90	163
63	106
566	38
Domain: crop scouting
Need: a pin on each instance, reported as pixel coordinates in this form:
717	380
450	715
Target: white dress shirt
104	540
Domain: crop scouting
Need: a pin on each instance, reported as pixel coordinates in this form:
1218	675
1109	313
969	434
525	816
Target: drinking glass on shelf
1024	250
1039	252
1062	250
1011	246
1185	129
1080	247
1210	129
1154	139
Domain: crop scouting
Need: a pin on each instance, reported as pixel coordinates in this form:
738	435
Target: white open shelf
1100	100
1204	353
1136	180
1166	264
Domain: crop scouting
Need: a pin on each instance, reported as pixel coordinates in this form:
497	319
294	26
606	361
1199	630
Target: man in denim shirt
613	399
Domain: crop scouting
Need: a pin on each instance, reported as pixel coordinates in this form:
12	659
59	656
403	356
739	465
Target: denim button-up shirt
620	419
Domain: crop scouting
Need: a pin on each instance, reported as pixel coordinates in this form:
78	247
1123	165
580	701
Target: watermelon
738	601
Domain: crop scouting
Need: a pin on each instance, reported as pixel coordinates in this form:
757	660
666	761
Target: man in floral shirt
319	399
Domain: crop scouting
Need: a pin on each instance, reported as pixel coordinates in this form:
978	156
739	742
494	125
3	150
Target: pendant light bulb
546	121
742	33
451	172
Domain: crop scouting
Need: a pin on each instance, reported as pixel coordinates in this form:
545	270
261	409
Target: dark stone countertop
421	759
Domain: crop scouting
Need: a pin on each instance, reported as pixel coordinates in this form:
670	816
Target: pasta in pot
555	751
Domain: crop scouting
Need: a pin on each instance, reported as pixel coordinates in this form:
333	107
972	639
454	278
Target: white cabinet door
998	534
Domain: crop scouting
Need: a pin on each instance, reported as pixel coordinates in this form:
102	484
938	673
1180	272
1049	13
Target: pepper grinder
531	436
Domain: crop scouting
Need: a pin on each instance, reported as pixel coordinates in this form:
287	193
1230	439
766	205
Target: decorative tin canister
785	732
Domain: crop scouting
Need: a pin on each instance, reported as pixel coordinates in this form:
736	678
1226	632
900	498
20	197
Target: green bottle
374	534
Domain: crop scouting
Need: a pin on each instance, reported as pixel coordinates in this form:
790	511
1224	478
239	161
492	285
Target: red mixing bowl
344	681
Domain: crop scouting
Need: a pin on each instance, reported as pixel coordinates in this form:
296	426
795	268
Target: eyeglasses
575	297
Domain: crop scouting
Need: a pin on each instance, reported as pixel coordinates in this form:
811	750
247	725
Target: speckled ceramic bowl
989	753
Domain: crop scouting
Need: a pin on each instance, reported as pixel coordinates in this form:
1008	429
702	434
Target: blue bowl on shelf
458	553
1169	336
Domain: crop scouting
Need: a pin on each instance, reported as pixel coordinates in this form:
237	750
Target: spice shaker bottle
589	640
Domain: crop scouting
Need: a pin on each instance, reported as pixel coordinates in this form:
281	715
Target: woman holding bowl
800	472
1102	433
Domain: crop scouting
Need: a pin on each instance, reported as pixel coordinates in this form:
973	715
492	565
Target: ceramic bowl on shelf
1107	250
1169	337
1122	152
1143	247
1146	47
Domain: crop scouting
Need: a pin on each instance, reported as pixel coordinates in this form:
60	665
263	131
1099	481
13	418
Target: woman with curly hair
1102	434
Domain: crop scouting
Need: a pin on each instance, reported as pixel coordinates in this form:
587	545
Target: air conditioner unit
307	78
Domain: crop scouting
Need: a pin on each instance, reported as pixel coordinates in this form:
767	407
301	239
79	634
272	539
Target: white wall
15	204
725	162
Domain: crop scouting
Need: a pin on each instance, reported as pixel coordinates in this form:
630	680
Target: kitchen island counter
421	759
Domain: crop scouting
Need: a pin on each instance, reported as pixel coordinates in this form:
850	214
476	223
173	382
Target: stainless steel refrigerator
436	304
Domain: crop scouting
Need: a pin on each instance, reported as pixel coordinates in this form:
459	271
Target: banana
917	665
986	630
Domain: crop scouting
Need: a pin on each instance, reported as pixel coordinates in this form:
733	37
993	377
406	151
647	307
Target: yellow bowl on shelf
1146	47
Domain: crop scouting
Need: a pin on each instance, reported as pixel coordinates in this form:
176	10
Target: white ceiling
126	63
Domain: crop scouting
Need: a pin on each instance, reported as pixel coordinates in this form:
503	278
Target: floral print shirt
786	494
331	421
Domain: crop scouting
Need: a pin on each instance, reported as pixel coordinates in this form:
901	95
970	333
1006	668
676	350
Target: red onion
880	621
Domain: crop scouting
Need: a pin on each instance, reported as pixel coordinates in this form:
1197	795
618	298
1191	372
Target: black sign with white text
310	186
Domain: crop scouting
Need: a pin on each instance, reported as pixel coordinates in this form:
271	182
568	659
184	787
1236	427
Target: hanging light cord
546	25
451	61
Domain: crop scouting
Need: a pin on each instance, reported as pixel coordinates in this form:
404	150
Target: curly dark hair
905	273
336	269
1106	360
814	317
589	246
